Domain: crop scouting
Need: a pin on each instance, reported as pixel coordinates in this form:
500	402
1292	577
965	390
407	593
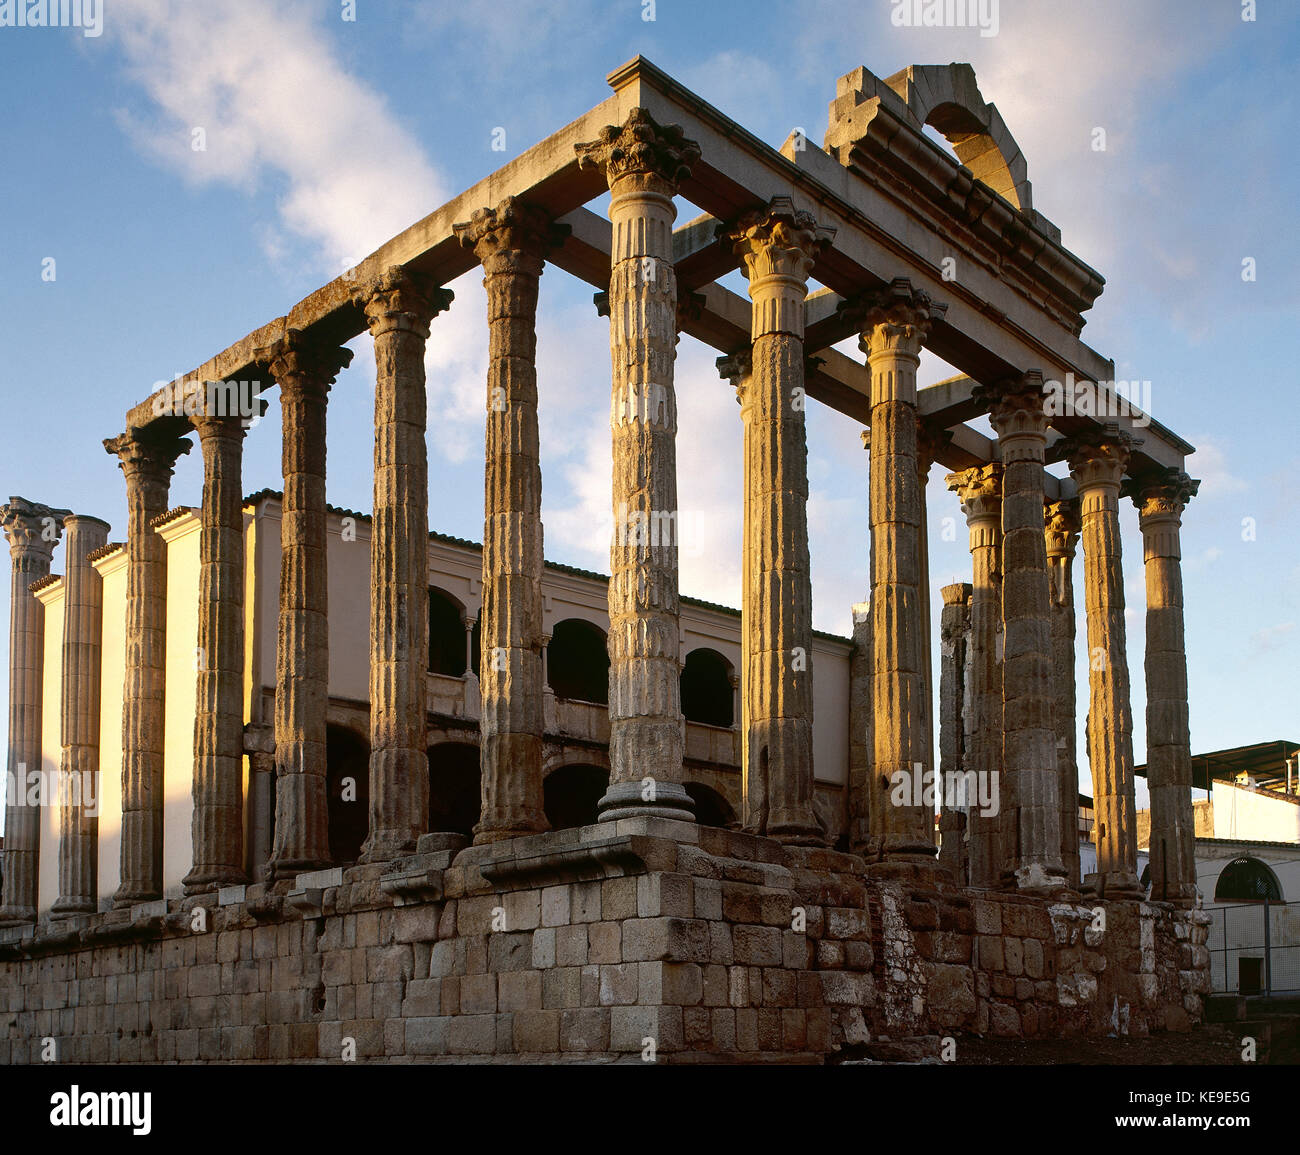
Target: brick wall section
580	946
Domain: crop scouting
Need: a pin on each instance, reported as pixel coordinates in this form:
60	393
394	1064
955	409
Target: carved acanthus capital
147	456
1016	409
299	364
512	238
957	594
400	298
1098	457
980	491
1161	493
895	319
640	147
776	241
1061	526
736	368
33	531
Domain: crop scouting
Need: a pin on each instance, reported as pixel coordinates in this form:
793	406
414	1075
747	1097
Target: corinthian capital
400	298
514	237
143	453
1015	407
1161	493
296	361
894	319
33	531
980	491
640	147
1098	456
1061	527
777	241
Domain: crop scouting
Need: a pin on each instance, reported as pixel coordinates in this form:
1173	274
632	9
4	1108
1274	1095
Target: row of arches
577	662
570	792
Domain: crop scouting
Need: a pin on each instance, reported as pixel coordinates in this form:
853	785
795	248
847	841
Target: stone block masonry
642	940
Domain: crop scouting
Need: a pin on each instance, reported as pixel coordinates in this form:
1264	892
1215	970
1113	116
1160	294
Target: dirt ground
1214	1044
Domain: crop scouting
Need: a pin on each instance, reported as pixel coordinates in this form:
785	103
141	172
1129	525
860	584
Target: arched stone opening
711	808
455	793
446	634
577	662
1246	879
570	794
707	693
347	762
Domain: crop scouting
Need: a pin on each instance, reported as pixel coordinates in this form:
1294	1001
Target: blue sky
325	136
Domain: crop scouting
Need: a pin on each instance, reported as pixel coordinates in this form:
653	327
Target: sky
194	170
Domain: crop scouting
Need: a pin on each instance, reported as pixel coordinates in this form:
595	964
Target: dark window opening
577	662
570	795
455	796
707	695
1247	879
347	762
711	808
446	635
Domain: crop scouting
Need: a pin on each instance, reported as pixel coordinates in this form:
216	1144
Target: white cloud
1210	465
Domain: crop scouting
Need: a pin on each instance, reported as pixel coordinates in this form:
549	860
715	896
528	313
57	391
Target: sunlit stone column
777	247
642	162
32	531
1061	535
1160	498
511	242
146	462
399	307
954	635
1033	832
893	324
217	827
83	628
737	368
1097	463
304	369
980	490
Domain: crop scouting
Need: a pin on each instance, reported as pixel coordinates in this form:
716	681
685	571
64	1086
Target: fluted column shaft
146	463
980	490
893	325
1033	809
217	825
777	247
399	307
1160	499
1097	463
304	370
83	629
954	634
642	162
1061	536
737	368
511	241
32	531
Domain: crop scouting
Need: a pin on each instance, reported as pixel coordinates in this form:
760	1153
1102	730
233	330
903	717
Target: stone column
259	746
954	630
642	162
304	370
980	490
777	247
146	461
859	785
893	324
1097	463
1029	735
32	531
398	308
511	242
1160	498
738	369
218	823
1061	535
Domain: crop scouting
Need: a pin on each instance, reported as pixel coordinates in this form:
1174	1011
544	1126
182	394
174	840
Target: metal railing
1255	948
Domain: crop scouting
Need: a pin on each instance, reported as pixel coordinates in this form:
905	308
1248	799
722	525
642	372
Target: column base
483	835
1116	885
626	800
282	868
798	834
209	879
386	846
1037	878
17	915
73	907
123	898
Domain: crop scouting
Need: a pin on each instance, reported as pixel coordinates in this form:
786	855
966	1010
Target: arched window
706	688
455	796
577	662
570	794
446	634
711	808
1247	879
347	769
